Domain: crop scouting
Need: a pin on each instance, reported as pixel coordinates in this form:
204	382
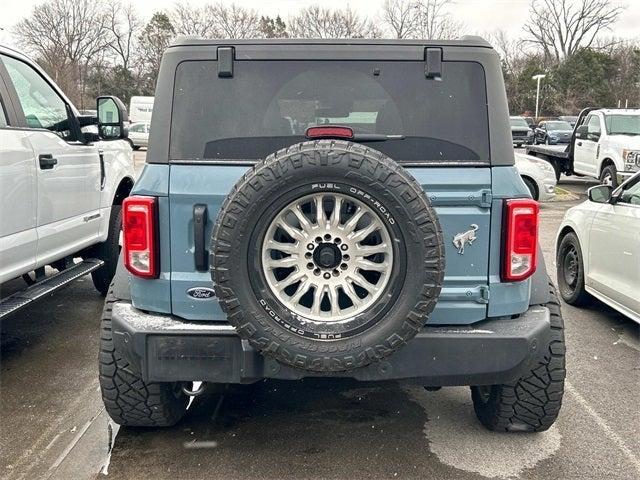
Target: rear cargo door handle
200	252
47	162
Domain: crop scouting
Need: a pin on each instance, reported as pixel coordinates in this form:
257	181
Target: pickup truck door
585	151
68	172
18	238
614	250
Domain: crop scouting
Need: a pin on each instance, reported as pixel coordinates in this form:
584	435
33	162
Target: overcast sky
480	16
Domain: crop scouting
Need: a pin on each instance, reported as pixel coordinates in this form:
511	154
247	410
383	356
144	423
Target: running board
25	297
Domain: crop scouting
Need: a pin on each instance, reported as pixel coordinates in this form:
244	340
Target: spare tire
327	256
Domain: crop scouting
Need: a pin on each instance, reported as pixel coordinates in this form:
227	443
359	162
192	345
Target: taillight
520	255
139	236
329	132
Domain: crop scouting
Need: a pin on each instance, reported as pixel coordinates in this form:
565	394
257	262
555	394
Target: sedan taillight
520	254
139	236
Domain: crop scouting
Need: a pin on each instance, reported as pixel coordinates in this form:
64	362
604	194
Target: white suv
61	183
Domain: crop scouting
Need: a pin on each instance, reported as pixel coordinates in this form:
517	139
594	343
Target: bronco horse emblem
461	239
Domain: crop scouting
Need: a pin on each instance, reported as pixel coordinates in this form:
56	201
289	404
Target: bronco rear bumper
166	349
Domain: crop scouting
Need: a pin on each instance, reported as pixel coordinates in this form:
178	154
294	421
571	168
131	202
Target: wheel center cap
327	255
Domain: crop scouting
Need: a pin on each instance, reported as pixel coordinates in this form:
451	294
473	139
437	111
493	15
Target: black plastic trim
200	253
164	348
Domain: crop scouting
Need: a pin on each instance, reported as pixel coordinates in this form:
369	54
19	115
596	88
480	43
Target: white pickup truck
63	177
605	144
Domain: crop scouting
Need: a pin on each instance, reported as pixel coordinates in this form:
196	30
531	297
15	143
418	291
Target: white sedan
538	175
598	249
139	135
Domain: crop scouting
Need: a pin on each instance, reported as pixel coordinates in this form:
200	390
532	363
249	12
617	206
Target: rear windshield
558	126
268	105
518	122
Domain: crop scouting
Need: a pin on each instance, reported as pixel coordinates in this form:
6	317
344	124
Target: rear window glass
268	105
518	122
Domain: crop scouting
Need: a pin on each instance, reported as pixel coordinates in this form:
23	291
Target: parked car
552	132
520	131
538	175
263	241
605	144
598	249
62	188
140	109
139	135
570	119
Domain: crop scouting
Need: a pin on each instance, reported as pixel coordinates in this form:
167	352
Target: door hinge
433	60
225	62
486	198
484	294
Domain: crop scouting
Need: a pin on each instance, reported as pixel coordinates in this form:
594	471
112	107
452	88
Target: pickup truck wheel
570	270
533	189
127	398
609	176
109	252
531	403
327	256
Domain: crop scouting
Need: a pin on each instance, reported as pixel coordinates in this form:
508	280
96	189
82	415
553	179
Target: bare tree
189	20
561	27
402	17
428	19
436	22
234	21
123	24
319	22
215	20
509	49
66	35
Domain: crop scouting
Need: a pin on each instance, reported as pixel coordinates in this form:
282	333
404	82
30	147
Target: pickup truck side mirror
581	131
600	193
112	115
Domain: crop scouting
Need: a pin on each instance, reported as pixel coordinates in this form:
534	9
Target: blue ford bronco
332	208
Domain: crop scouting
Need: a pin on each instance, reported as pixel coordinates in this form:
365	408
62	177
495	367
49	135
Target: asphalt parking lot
53	424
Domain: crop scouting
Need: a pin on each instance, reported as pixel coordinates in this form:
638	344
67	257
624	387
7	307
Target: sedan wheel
570	270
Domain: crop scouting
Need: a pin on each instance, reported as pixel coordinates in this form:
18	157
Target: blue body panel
506	298
155	295
461	196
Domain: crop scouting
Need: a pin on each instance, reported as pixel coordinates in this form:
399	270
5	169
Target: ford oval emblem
201	293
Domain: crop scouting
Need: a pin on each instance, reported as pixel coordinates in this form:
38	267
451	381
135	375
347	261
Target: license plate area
170	357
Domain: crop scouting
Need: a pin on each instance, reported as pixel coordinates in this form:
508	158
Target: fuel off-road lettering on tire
327	256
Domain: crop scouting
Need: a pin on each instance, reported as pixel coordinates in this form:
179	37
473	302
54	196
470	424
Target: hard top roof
465	41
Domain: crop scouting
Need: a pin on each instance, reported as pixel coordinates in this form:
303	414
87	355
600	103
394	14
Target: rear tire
109	252
531	403
327	316
570	270
127	398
